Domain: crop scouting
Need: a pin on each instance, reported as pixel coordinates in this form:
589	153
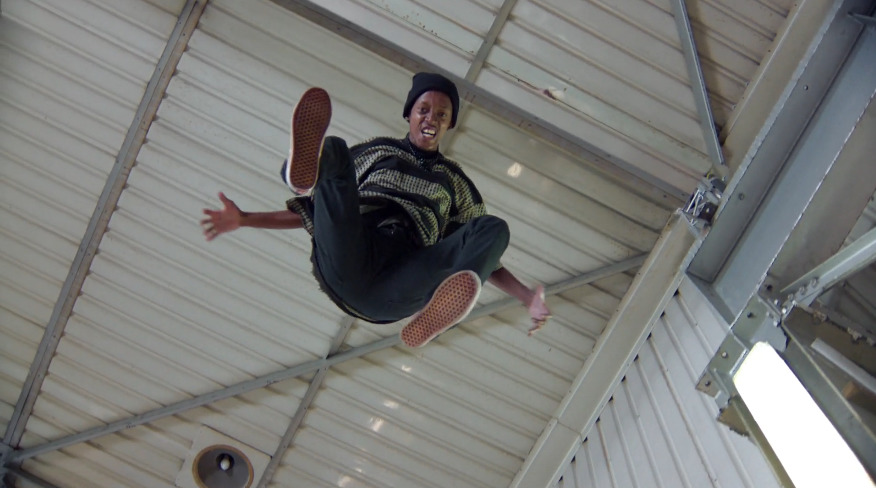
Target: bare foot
538	310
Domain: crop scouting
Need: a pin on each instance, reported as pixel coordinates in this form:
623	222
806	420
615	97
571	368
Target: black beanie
424	82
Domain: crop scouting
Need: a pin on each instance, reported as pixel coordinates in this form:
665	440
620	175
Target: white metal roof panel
462	413
152	455
657	430
612	74
71	84
164	316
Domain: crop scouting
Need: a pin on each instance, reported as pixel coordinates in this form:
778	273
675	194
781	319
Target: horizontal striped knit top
431	189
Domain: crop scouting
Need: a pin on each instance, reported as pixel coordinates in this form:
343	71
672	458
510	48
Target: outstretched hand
538	310
221	221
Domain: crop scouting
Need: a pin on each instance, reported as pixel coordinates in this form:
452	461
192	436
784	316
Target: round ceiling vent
222	466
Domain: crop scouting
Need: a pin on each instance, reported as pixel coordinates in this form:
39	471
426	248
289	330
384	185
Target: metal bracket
759	322
704	201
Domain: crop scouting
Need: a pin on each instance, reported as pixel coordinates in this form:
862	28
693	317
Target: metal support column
759	322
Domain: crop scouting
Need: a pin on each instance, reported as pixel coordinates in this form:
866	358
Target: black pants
380	272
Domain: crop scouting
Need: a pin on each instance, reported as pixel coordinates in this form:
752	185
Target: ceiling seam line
547	131
97	226
304	406
301	369
700	92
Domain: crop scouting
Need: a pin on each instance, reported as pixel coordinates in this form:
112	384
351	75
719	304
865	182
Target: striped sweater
433	190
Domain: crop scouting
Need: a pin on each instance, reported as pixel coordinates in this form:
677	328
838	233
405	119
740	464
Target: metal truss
17	456
701	93
769	195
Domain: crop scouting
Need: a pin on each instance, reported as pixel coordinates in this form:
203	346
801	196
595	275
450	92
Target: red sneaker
452	301
310	120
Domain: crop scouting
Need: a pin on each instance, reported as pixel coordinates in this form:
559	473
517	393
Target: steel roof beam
97	226
306	401
847	261
296	371
792	108
802	175
698	82
477	63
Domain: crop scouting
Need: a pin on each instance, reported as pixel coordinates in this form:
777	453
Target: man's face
429	119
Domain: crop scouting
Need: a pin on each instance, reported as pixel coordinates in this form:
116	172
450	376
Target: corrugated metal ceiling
163	317
673	424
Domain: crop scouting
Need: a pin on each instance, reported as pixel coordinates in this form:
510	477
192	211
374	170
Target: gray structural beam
792	109
791	165
293	372
301	411
477	63
867	20
610	164
849	260
97	226
498	24
808	135
698	83
786	166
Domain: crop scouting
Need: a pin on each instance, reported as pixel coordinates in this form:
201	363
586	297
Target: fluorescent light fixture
810	449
